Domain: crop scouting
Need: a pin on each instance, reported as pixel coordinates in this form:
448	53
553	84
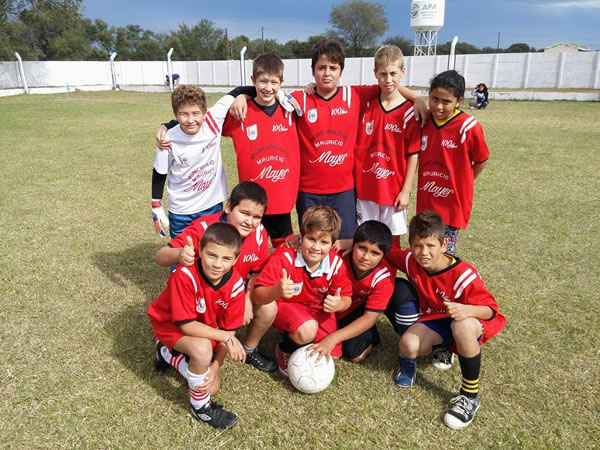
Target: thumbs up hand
287	286
187	255
333	302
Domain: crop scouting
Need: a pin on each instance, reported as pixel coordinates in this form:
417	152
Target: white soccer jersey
196	176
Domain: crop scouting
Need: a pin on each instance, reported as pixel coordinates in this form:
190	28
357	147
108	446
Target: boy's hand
289	103
332	302
343	246
161	222
238	108
421	113
310	88
212	376
457	311
322	348
401	201
249	310
187	255
235	349
287	285
293	242
161	142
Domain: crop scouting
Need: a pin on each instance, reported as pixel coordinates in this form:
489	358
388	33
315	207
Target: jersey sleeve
161	161
412	135
182	296
341	280
272	271
478	149
229	125
383	288
398	258
263	250
472	291
195	230
216	114
234	314
366	93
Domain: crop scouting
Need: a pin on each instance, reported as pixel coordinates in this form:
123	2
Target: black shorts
354	347
278	225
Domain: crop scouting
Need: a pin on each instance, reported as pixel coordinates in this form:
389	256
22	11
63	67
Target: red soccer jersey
309	288
459	282
267	153
385	140
327	134
254	251
445	167
374	289
189	296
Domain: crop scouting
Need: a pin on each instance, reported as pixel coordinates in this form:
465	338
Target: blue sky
538	23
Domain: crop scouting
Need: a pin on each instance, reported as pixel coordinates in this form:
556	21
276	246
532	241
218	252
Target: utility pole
498	44
262	38
227	46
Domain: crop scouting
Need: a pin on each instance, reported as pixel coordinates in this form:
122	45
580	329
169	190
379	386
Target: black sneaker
160	364
461	412
214	415
260	361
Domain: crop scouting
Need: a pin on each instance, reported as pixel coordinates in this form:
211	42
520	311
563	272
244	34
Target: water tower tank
427	15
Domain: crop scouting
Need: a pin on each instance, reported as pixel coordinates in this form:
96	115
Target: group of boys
346	156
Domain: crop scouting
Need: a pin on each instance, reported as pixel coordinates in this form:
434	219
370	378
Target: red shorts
168	334
290	316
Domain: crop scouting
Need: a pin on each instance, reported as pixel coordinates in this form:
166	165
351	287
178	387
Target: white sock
197	399
178	362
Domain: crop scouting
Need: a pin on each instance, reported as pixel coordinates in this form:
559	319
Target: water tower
426	19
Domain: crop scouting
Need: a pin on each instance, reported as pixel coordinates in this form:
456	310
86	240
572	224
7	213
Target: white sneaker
461	412
442	358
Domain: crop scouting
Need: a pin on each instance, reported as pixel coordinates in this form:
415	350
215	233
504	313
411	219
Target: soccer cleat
282	360
160	364
214	415
260	361
406	372
442	358
461	412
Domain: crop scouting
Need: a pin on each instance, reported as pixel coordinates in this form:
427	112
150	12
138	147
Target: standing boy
387	148
244	210
308	285
197	315
456	309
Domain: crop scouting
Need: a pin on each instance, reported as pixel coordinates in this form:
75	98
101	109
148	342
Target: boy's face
327	75
315	247
190	118
216	261
443	103
429	253
267	87
365	256
245	217
389	76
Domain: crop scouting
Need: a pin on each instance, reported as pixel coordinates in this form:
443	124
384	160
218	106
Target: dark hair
186	94
330	48
484	87
267	63
248	190
450	80
427	223
321	219
222	233
374	232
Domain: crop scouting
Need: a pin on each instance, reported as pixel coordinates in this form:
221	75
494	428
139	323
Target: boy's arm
248	311
161	222
167	255
478	168
460	311
403	197
263	295
421	114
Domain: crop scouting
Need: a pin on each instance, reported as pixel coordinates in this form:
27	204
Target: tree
200	42
359	23
403	44
519	47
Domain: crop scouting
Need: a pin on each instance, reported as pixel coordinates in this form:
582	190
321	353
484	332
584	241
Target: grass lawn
77	274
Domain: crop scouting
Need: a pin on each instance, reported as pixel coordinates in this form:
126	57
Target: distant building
562	47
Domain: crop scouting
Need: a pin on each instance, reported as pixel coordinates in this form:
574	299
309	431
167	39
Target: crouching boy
309	285
456	310
197	315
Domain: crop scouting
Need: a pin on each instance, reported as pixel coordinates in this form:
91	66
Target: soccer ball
306	374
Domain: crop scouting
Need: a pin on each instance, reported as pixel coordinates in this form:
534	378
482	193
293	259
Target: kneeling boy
309	285
197	315
456	309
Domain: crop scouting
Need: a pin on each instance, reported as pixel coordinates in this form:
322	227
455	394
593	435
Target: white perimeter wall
504	70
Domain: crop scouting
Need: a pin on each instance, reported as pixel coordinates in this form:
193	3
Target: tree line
58	30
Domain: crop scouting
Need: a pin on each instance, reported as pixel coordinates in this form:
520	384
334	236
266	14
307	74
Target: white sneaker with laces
442	358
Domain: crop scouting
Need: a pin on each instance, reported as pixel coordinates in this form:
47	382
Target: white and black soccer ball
306	374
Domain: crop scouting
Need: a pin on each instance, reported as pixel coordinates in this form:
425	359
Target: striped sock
470	368
178	362
197	399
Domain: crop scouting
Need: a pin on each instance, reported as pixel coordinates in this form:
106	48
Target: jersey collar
323	268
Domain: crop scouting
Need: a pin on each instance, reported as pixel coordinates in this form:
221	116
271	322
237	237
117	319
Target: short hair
427	223
267	63
389	54
450	80
374	232
321	219
186	94
330	48
222	233
248	190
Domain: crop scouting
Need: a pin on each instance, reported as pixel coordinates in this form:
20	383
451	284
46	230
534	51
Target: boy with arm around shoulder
456	309
197	315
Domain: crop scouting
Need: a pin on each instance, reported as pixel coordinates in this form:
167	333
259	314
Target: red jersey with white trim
268	153
374	289
189	296
253	253
309	288
447	155
327	134
459	282
385	140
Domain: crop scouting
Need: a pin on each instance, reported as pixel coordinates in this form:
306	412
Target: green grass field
77	274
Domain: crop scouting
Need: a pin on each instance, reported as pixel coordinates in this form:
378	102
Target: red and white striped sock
197	399
178	362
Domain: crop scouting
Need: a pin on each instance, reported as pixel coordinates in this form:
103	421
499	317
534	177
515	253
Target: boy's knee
266	313
408	346
200	351
466	330
306	333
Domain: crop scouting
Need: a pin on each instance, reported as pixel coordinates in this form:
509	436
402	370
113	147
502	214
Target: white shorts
395	220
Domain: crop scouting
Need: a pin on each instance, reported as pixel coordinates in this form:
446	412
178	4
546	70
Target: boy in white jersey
196	183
